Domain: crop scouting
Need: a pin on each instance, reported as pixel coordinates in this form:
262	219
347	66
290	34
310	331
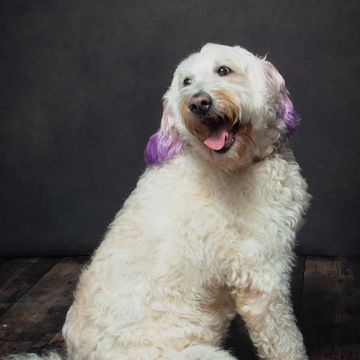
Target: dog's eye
223	70
187	81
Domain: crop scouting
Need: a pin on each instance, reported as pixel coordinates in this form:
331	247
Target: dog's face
229	105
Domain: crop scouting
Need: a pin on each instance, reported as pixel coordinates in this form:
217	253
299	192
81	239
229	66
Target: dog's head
229	105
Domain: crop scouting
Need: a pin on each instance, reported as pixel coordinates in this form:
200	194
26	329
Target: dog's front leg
263	300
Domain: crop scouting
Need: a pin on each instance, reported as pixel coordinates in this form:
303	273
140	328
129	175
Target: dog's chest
266	201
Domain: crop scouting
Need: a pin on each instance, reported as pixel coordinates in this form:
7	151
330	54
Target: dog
209	231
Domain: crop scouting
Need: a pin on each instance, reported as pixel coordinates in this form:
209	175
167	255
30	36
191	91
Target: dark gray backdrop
81	83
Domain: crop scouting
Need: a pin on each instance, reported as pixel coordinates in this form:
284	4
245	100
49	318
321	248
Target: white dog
209	230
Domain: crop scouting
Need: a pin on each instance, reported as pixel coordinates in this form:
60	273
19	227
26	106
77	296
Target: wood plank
13	347
19	275
330	309
39	314
2	261
56	344
297	280
334	352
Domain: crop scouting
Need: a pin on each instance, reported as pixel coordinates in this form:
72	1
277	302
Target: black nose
200	103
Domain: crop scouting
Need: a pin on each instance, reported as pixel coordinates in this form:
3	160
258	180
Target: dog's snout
200	103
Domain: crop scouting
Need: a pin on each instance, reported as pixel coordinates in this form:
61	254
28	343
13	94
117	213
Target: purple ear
287	112
161	146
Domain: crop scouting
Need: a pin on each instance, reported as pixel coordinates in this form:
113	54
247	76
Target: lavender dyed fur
287	113
161	147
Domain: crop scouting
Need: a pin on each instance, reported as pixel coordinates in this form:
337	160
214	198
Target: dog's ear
284	107
166	142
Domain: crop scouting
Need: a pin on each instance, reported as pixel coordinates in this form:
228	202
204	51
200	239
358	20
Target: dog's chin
238	151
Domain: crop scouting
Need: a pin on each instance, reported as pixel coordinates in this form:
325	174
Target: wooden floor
35	294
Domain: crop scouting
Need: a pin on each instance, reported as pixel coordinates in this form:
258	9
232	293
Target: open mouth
222	135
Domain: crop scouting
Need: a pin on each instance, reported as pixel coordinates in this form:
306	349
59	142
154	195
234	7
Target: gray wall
81	83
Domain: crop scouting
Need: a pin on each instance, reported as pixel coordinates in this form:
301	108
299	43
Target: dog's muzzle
222	130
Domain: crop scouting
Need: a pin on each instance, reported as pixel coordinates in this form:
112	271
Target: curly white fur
203	236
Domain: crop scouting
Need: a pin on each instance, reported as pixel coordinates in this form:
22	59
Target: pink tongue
216	140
